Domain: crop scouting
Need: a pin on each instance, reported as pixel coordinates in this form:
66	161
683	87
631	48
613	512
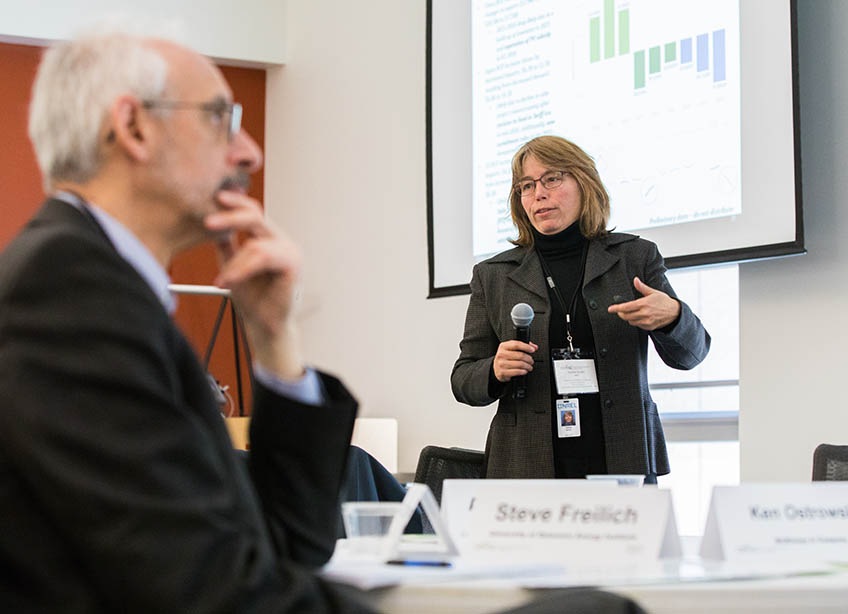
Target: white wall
247	31
345	149
794	354
346	160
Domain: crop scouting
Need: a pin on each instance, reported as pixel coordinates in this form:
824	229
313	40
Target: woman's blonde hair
557	153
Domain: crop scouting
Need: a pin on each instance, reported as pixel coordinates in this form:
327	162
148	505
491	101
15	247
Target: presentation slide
649	88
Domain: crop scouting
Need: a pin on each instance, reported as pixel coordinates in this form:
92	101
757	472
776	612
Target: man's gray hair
76	84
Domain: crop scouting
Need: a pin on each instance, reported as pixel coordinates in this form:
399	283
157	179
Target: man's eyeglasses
217	110
549	179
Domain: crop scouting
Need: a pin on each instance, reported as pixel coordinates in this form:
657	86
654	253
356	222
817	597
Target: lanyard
550	279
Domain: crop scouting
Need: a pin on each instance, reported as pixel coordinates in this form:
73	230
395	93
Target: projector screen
686	106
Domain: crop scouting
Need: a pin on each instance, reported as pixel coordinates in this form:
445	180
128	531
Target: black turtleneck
574	457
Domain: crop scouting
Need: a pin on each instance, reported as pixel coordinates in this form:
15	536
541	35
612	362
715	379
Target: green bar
670	52
654	59
624	32
594	39
639	69
609	29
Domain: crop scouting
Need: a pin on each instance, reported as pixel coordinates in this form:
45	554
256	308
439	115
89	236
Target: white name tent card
798	521
440	549
563	520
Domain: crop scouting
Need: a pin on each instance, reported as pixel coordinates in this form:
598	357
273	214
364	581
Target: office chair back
436	464
830	463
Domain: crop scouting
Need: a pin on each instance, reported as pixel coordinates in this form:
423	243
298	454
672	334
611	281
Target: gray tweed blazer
519	441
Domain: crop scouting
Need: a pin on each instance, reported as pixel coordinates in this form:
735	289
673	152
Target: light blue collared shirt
305	390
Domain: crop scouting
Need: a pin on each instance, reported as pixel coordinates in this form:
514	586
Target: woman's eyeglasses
549	180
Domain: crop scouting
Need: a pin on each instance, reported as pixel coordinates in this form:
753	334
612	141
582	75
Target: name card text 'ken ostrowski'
575	522
799	512
773	520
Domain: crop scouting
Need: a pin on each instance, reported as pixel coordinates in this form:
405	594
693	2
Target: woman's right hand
512	359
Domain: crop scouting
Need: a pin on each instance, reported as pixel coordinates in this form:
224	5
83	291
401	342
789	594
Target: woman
597	296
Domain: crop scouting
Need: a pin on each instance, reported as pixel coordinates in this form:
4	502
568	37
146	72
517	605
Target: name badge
778	521
568	417
574	374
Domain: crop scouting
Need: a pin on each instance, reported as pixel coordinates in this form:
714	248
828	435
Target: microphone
522	314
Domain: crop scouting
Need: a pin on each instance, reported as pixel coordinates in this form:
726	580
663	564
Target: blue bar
718	56
703	43
686	51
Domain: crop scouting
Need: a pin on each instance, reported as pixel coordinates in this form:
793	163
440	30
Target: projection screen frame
758	252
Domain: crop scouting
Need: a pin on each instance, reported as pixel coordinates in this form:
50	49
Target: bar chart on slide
609	36
659	81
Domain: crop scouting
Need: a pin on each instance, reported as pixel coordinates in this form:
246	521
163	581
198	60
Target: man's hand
260	266
654	310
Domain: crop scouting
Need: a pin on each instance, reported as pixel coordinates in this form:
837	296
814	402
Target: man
120	489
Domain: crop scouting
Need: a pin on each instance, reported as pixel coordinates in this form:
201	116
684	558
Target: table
806	595
688	586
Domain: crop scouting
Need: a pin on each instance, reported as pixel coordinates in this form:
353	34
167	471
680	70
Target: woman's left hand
654	310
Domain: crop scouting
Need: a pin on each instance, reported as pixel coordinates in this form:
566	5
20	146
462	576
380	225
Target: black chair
579	601
830	463
436	464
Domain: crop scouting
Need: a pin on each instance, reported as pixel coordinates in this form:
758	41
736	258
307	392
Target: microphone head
522	314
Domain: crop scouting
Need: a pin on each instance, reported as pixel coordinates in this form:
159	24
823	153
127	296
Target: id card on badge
574	373
568	417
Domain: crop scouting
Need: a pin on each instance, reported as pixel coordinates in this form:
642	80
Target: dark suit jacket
519	443
119	488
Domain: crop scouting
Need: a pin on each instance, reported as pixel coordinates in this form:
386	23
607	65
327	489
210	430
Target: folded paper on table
562	520
778	520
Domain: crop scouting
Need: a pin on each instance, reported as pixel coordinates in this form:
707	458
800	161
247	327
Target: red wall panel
19	177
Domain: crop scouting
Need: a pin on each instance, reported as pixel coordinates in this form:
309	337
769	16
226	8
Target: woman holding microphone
597	296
